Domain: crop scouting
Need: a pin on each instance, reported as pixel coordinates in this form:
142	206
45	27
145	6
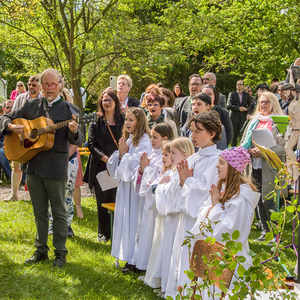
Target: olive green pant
43	190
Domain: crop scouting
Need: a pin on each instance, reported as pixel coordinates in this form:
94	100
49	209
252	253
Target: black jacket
133	102
225	120
234	104
96	140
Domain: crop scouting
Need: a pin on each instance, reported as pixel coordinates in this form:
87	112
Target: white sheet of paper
105	181
263	137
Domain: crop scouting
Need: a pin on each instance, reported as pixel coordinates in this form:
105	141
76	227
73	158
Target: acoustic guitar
38	136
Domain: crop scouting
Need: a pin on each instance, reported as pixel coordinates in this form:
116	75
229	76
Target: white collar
55	100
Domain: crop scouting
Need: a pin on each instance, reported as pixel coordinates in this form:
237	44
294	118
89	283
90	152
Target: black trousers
108	196
237	127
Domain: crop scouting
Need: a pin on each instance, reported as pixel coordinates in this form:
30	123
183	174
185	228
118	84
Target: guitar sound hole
34	133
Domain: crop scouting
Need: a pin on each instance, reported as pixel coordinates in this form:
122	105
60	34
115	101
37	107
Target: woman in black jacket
102	144
224	115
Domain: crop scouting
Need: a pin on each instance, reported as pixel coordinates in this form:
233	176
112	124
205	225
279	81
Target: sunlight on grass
90	271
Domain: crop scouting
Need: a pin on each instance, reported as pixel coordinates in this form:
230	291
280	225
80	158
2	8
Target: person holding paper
262	173
103	137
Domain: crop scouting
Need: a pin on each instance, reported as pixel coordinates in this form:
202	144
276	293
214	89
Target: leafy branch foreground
247	280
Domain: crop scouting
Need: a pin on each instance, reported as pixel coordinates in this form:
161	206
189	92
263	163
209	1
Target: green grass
90	271
88	274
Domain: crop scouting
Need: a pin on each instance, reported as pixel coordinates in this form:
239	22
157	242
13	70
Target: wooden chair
198	266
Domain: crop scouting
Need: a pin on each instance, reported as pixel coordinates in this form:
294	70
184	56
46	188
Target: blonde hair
166	147
184	145
126	77
141	127
67	95
275	108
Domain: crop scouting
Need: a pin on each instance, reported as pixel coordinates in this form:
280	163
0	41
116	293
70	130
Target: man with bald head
47	171
210	78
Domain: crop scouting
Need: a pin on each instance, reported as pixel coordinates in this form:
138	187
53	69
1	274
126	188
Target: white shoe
117	265
102	238
12	197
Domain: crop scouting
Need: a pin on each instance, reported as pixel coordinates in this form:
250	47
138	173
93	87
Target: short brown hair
211	123
164	129
170	95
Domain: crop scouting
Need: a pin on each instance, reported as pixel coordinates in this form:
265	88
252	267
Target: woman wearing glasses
20	88
262	173
102	139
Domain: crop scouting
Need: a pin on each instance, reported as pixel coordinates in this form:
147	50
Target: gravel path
24	195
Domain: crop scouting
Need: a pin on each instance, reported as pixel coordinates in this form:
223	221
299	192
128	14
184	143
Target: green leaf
274	216
269	236
218	272
239	246
241	259
232	265
190	274
235	235
241	270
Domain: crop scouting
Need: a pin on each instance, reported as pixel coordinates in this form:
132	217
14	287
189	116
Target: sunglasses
31	84
19	84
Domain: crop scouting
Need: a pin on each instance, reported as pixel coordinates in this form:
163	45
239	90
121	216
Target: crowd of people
168	156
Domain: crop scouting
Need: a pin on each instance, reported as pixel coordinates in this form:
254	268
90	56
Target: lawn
90	271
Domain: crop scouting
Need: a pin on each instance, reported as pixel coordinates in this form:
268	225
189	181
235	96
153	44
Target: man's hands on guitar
15	128
73	126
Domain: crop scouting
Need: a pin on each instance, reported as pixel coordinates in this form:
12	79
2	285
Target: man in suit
183	105
124	85
47	171
238	105
210	78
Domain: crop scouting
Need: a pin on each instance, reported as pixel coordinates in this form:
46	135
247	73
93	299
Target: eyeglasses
239	84
51	85
19	84
207	78
153	105
264	102
195	84
8	107
31	84
107	100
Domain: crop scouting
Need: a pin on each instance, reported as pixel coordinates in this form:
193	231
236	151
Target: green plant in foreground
247	280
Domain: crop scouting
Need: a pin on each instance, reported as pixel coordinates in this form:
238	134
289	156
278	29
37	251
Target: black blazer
133	102
96	142
234	104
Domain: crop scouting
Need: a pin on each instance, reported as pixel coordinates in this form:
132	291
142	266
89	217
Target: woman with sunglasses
20	88
102	139
262	173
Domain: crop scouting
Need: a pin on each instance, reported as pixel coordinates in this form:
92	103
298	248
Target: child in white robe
149	169
196	175
181	149
121	165
233	206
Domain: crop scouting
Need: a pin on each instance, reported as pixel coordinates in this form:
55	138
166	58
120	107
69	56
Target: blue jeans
4	164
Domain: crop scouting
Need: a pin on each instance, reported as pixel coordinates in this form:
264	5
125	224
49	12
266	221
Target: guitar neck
53	127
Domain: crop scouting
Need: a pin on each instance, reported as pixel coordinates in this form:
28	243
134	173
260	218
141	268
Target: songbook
263	137
270	156
105	181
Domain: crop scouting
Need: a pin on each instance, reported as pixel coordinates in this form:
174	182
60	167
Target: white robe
190	197
127	201
146	221
238	214
154	268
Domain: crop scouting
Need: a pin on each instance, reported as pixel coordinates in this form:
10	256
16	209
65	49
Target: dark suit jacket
234	104
53	163
183	108
222	101
96	140
133	102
